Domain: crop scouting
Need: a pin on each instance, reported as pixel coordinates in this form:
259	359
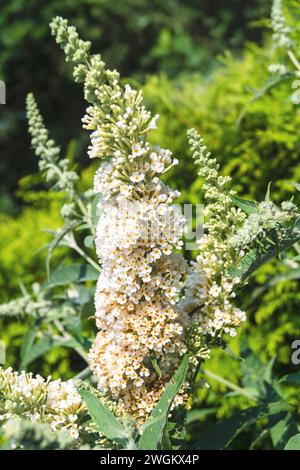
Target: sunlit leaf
105	420
153	428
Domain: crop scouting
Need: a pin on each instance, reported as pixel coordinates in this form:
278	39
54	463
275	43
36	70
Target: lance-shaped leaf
105	420
270	83
283	430
73	273
246	205
57	240
254	259
27	343
293	443
154	427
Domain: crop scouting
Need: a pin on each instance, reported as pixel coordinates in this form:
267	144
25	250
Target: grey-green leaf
293	443
27	344
223	433
254	260
246	205
105	420
89	241
47	344
291	378
154	427
283	430
73	273
270	83
58	238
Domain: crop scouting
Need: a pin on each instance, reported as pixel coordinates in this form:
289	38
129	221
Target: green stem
294	59
79	250
86	216
230	385
84	373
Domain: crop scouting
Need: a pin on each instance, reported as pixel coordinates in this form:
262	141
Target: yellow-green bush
20	239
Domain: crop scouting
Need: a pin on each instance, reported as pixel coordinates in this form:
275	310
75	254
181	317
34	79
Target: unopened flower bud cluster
56	170
209	290
23	395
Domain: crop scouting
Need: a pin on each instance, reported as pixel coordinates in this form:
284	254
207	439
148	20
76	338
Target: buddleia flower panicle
209	292
55	169
144	323
280	27
137	233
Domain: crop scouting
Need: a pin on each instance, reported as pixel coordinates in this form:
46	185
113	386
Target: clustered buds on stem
280	27
55	168
36	399
210	290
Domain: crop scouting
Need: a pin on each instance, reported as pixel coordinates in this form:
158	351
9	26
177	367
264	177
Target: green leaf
105	420
154	427
293	443
199	414
89	241
283	431
268	193
58	237
259	438
269	370
270	83
232	386
73	273
297	186
27	344
253	260
47	344
223	433
246	205
291	378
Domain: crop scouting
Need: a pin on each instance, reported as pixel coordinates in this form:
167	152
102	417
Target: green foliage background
169	48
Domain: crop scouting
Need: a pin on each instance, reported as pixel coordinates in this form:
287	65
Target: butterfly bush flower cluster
137	233
57	403
210	290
